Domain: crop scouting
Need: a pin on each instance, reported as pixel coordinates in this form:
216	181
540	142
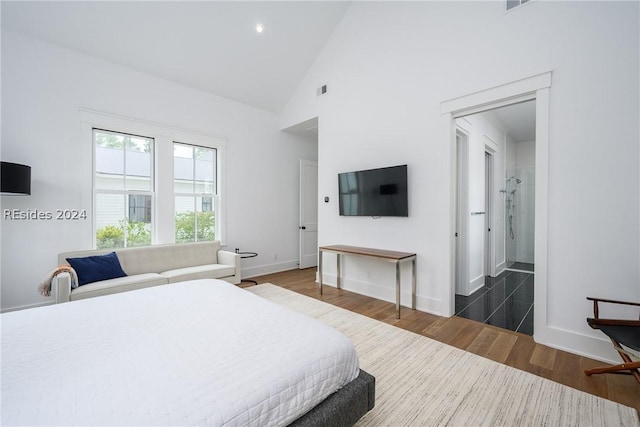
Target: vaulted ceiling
207	45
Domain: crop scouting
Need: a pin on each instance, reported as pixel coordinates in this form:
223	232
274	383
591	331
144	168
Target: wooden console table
395	257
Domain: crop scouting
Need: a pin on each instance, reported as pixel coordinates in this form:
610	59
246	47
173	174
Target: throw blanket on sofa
45	286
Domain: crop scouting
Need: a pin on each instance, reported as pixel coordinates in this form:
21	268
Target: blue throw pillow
96	268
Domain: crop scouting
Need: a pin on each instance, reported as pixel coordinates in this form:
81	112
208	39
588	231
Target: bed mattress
202	352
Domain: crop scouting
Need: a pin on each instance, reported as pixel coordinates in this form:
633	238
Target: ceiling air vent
515	3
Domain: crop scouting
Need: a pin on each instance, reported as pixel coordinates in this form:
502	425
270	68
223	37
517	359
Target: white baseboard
261	270
384	292
24	307
577	343
473	286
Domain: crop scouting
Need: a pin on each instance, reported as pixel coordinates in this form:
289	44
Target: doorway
504	140
536	88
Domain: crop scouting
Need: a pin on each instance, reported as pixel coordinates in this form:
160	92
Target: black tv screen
374	192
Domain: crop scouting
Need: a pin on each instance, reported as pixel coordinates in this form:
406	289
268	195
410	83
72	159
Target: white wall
388	66
43	88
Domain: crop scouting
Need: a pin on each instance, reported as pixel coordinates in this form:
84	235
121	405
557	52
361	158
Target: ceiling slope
208	45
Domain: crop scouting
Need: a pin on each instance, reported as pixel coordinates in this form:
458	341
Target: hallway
506	301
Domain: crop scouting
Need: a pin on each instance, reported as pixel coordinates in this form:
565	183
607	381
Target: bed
203	352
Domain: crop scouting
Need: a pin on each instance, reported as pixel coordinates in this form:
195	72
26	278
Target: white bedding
194	353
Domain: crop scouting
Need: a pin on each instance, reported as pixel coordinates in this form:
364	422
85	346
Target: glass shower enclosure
519	190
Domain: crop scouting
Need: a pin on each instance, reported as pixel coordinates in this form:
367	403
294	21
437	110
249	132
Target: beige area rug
420	381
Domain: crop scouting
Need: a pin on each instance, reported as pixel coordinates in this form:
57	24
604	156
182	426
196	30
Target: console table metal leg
397	290
338	256
413	284
320	270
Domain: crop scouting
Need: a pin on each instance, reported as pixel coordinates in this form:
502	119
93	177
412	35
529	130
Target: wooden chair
625	336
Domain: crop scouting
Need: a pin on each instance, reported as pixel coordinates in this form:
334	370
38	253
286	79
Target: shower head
513	178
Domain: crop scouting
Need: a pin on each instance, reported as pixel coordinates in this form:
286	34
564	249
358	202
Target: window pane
185	219
194	169
123	163
110	214
205	162
109	165
140	208
183	168
109	181
138	162
139	183
138	169
137	233
207	204
195	219
205	221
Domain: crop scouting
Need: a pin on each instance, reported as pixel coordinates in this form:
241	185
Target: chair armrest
61	285
231	258
613	322
596	312
613	301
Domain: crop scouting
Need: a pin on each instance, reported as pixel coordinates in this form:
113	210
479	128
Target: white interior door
308	228
489	254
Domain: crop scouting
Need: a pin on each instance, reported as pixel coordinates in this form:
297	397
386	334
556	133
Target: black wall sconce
15	178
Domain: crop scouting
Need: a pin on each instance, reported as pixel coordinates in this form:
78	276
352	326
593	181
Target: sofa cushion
96	268
211	271
122	284
157	258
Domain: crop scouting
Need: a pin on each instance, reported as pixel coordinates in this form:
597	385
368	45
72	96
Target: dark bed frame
344	407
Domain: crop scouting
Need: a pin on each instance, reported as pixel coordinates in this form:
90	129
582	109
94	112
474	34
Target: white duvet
194	353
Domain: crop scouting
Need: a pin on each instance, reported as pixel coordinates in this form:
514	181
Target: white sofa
151	266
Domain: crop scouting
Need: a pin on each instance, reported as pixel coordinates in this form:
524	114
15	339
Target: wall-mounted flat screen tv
374	192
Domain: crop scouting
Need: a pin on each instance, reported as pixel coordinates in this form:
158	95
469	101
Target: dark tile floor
505	301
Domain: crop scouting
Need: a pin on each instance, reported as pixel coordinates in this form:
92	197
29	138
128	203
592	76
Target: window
194	172
148	188
124	189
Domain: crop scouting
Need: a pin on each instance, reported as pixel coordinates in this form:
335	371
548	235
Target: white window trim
164	136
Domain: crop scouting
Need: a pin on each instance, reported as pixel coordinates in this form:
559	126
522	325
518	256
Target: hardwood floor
503	346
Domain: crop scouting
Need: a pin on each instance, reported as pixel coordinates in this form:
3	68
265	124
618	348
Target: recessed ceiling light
259	28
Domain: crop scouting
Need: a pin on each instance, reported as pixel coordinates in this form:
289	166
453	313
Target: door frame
536	87
461	175
489	234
